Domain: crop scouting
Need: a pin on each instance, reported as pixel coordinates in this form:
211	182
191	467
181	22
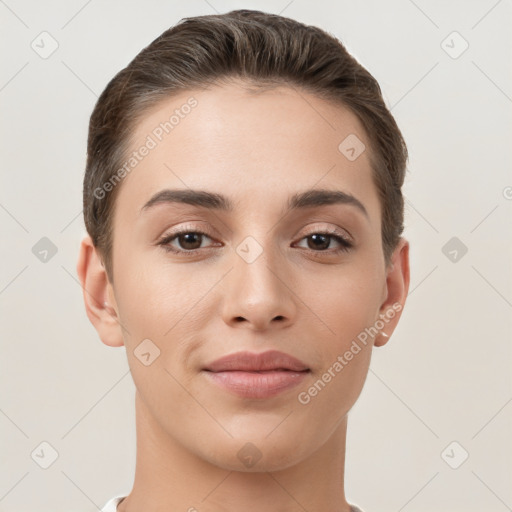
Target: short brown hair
263	50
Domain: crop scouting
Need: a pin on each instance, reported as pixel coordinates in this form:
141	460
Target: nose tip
256	297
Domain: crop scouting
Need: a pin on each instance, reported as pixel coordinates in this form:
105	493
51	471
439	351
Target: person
242	199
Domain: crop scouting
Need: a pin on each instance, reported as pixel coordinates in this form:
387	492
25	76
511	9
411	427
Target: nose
258	295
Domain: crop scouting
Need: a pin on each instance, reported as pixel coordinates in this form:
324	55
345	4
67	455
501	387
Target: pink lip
251	362
257	375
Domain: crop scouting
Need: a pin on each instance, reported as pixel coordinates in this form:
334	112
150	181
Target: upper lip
249	361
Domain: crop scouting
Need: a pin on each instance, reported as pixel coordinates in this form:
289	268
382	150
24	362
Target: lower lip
257	384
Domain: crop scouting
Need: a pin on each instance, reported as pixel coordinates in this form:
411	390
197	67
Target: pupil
189	238
324	241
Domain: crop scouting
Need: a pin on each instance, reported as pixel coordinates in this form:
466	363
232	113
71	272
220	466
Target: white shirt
111	505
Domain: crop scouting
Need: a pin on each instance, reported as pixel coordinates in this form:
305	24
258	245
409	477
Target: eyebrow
214	201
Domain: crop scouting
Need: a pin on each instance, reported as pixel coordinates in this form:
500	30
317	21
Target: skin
256	149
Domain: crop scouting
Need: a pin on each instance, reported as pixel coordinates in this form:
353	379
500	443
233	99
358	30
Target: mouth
257	376
272	360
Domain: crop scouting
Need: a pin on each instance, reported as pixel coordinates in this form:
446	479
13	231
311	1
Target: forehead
248	145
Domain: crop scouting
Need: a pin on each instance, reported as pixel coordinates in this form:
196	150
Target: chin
257	455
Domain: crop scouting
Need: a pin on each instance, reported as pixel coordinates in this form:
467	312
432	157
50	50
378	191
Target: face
264	267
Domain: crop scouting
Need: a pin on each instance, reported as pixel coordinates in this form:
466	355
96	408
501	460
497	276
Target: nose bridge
256	290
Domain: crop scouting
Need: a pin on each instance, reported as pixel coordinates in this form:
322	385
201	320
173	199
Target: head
262	113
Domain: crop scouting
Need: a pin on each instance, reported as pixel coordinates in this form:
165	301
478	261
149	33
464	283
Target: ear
98	294
395	292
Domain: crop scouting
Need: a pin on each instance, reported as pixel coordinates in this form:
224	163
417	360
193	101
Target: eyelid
194	228
189	228
345	235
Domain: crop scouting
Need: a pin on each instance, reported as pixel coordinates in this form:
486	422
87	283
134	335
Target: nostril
240	319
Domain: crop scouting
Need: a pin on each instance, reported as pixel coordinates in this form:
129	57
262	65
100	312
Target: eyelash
345	244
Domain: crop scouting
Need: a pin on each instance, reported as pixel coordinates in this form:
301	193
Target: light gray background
446	373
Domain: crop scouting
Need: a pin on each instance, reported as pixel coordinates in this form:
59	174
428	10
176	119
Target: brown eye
322	242
189	241
184	242
318	241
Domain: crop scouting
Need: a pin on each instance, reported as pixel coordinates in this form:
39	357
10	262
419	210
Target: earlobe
95	289
397	285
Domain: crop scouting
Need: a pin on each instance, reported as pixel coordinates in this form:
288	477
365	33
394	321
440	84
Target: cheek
346	304
347	309
154	296
168	305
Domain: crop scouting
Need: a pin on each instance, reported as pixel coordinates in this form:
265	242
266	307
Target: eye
321	241
189	241
185	241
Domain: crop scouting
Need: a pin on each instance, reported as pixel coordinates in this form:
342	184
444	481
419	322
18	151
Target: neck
169	477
